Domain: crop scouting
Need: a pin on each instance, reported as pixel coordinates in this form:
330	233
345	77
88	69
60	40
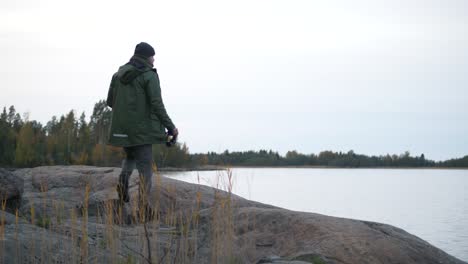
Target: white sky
373	76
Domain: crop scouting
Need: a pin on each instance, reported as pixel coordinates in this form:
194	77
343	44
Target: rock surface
11	189
10	185
70	214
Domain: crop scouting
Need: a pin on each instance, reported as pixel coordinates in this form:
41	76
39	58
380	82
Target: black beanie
144	49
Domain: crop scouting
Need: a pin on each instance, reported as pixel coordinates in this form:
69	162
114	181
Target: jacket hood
136	66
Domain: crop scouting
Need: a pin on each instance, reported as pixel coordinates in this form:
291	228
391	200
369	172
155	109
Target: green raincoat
138	113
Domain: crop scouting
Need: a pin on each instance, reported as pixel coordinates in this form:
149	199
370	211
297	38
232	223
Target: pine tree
7	140
100	122
4	116
84	141
11	114
25	153
51	131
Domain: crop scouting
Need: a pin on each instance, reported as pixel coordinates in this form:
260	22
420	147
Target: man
139	119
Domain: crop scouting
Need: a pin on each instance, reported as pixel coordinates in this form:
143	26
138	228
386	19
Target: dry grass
171	236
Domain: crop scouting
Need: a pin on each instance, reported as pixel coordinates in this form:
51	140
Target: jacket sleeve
110	94
153	91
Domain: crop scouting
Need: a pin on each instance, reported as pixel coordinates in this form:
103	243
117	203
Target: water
431	204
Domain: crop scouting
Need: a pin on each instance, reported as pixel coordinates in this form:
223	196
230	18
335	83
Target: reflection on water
432	204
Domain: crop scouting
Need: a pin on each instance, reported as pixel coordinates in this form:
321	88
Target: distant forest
70	139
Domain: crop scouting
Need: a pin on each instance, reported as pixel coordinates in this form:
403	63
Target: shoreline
221	168
215	168
257	232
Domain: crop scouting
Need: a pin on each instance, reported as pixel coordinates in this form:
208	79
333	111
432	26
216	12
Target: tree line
70	139
323	159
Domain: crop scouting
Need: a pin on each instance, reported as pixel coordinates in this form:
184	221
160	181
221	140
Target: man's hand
172	139
174	132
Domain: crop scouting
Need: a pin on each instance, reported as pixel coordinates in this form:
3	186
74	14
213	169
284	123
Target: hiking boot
123	193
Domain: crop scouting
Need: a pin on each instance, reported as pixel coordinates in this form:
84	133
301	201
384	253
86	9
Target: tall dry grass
125	233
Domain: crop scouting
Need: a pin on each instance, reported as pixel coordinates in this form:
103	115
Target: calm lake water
432	204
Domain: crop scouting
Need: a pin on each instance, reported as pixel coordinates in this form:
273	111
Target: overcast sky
373	76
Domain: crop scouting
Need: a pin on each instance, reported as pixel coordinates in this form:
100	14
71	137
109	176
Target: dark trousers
140	157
